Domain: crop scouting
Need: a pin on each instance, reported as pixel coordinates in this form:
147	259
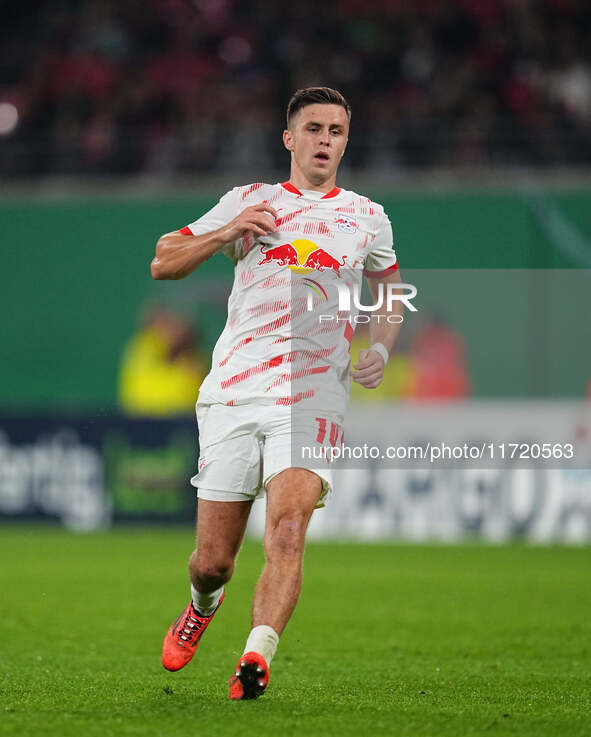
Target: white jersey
279	345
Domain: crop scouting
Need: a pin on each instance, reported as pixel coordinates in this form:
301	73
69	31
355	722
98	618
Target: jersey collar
294	190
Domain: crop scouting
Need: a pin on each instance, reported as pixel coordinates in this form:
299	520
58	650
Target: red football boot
251	677
182	638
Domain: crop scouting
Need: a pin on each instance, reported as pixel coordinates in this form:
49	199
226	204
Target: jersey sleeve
219	215
381	259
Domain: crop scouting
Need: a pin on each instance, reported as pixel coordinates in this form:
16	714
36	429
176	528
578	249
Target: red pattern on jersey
264	330
265	307
291	227
307	357
273	325
367	206
382	273
286	218
362	244
293	214
329	327
251	189
234	318
295	375
287	401
303	360
291	357
273	198
247	277
317	229
326	327
237	347
261	368
248	241
349	333
276	280
299	305
186	230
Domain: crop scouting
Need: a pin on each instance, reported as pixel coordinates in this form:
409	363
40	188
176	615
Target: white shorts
242	447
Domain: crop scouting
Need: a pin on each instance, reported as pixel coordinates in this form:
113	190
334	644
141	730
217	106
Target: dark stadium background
120	121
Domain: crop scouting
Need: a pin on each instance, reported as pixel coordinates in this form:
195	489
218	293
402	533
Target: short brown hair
315	96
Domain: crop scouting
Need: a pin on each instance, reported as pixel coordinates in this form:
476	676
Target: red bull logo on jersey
346	224
284	255
302	256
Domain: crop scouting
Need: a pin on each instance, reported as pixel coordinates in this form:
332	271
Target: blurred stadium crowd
182	86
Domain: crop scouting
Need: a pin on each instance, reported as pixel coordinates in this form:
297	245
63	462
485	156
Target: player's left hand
369	369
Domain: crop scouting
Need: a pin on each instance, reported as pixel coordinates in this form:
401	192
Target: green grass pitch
386	640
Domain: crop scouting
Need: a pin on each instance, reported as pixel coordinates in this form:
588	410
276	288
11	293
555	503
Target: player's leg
220	530
292	496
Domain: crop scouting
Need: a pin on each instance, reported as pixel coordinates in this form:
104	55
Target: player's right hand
258	219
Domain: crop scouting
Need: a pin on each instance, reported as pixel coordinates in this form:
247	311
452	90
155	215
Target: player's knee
208	572
287	536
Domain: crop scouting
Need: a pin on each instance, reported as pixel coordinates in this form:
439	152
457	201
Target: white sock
263	640
206	603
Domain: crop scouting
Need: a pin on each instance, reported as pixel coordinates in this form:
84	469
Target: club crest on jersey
346	224
202	462
301	256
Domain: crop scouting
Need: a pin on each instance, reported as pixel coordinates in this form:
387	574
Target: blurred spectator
168	86
437	359
162	367
428	362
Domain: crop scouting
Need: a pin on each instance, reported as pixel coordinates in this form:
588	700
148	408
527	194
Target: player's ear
288	139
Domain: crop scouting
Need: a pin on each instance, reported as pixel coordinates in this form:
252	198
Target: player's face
317	138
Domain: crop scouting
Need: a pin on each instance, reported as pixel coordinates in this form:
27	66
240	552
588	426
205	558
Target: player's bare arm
369	369
178	255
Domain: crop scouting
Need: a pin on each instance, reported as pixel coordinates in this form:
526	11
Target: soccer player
280	376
